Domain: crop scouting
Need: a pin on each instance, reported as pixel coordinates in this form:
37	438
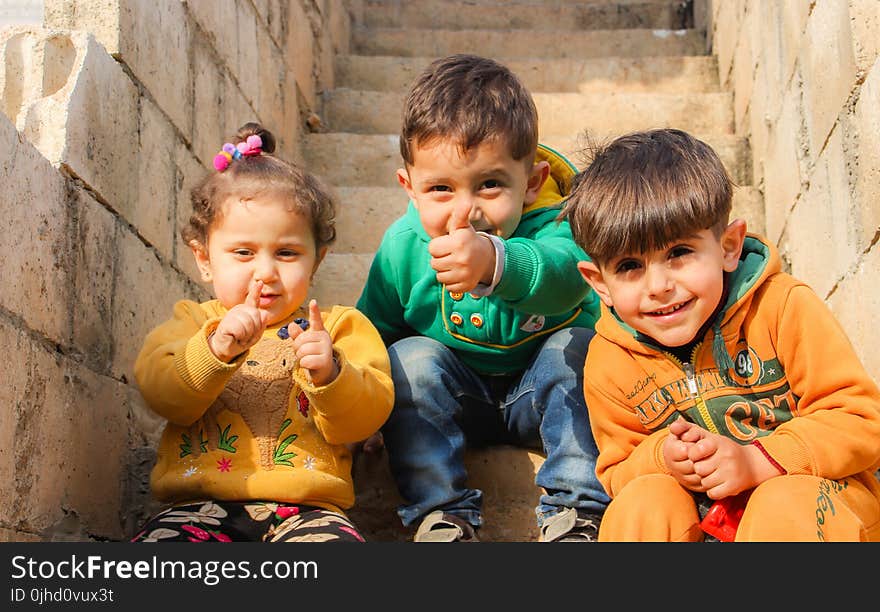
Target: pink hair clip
251	147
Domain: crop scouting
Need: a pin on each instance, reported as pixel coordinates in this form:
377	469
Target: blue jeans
442	405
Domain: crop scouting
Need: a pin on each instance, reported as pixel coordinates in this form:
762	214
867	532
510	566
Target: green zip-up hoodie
540	290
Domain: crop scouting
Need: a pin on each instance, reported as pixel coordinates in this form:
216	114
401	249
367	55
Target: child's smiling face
485	182
669	293
260	239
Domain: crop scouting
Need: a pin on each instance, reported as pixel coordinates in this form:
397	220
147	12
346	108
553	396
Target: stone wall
806	82
110	112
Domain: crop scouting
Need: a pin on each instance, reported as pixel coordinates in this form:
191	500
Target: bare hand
462	258
675	453
314	349
241	327
726	467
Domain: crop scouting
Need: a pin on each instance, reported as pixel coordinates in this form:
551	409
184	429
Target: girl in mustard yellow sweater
262	394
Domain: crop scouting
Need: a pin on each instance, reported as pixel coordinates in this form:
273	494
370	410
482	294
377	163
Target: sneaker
571	525
441	526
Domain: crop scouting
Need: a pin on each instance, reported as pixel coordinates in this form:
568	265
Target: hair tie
251	147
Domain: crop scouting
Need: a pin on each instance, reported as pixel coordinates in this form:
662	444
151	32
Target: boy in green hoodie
473	292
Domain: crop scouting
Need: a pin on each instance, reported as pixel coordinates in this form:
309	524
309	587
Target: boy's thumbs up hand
314	349
460	218
462	258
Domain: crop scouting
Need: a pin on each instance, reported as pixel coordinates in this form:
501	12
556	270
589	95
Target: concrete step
463	14
354	111
366	212
371	160
513	44
690	74
363	216
341	278
505	475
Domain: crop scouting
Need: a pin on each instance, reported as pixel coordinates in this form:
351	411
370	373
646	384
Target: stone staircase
605	66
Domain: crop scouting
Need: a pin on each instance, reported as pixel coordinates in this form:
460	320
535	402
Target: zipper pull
691	378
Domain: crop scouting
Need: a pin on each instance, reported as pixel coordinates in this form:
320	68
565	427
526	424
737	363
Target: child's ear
403	179
537	177
732	244
203	262
593	275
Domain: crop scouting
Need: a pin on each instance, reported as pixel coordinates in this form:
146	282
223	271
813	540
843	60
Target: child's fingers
678	426
460	218
253	296
316	323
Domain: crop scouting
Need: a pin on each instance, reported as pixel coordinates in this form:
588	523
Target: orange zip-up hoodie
775	367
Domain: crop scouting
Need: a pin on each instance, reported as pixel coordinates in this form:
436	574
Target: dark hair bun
251	128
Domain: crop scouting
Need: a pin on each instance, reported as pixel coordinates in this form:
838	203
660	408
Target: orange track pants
789	508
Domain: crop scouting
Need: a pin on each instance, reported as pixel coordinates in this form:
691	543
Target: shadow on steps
505	474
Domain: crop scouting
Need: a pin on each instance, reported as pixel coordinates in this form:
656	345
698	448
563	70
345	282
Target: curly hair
250	177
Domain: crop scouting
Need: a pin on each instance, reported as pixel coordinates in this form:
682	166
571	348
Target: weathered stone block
822	217
782	174
153	210
208	97
69	430
743	73
247	64
159	60
219	23
79	126
748	204
864	19
724	37
36	266
188	172
339	26
856	295
771	79
276	99
758	128
827	42
89	441
145	291
92	262
794	23
863	129
299	49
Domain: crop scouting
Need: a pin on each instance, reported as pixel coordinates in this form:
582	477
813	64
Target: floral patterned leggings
223	521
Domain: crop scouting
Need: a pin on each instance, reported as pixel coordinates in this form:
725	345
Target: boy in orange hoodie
713	374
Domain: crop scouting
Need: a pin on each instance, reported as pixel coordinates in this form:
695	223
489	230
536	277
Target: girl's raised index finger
316	323
253	296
